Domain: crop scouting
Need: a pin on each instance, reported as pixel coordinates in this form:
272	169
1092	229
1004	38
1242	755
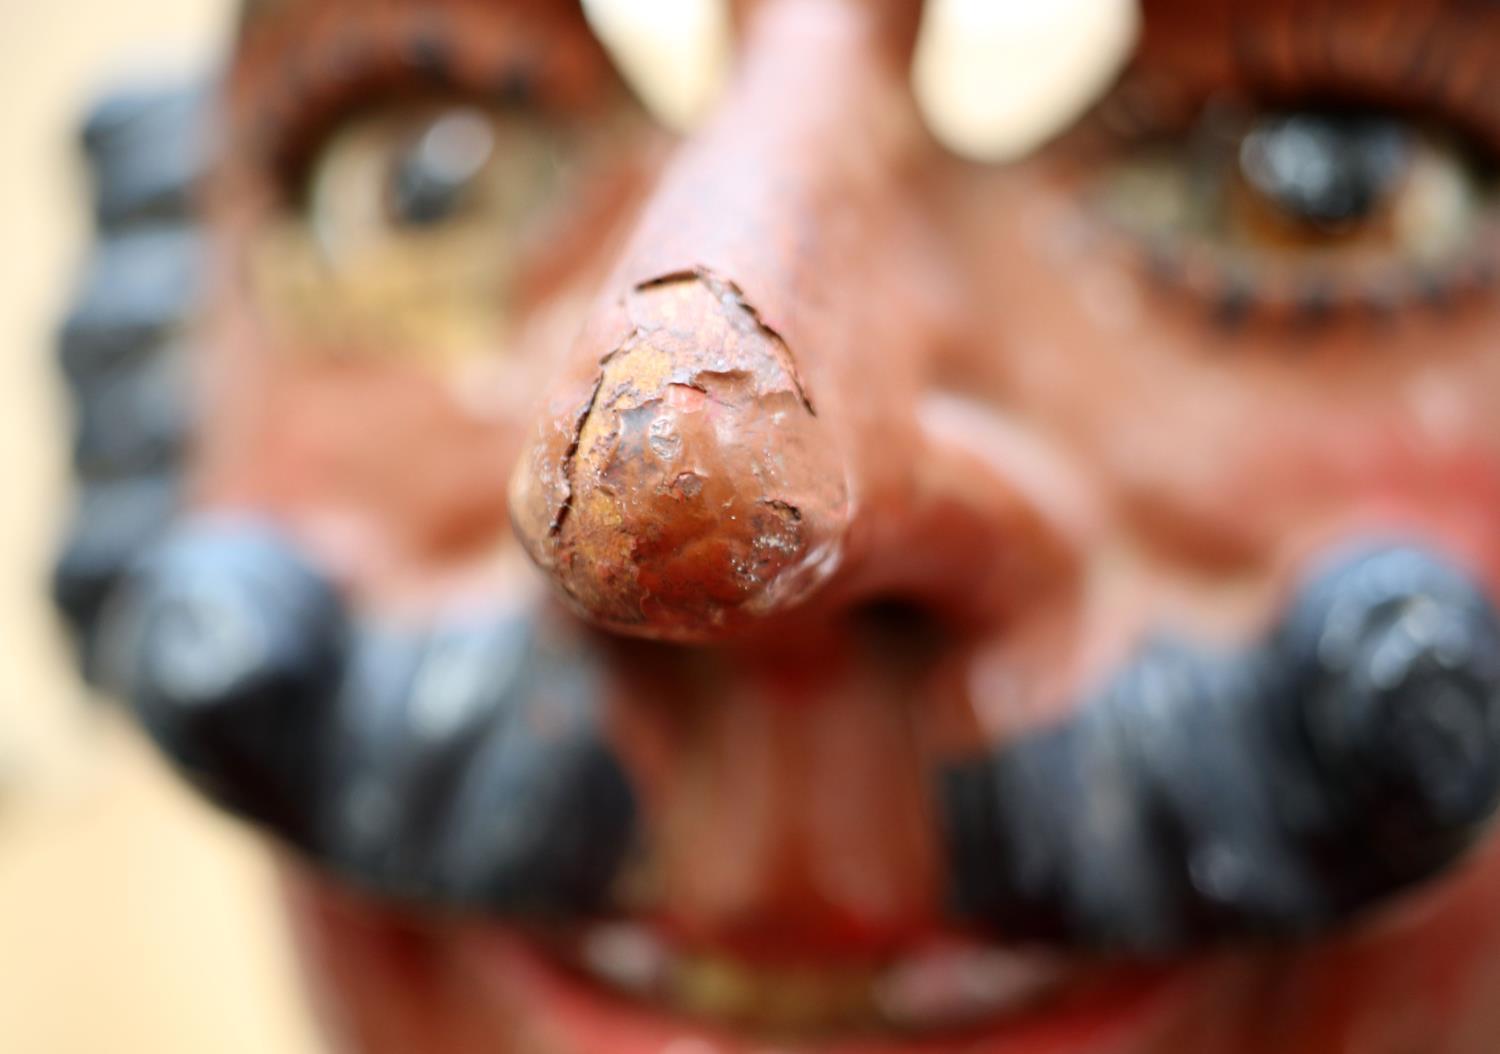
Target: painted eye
1325	172
441	170
417	173
1298	212
414	228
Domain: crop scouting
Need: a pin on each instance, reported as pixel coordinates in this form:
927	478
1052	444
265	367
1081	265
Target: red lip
1116	1010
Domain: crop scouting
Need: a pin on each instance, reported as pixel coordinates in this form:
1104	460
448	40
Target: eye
1292	213
418	181
418	224
441	170
423	173
1325	173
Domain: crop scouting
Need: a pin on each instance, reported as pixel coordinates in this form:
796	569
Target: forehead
1309	30
1204	37
1266	44
267	20
1422	56
255	13
1431	56
1166	15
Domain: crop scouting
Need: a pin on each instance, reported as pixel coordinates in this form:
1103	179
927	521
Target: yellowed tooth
713	987
795	1000
937	988
834	997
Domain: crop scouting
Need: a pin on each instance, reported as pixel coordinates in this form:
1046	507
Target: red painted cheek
1383	479
382	448
1425	972
1287	489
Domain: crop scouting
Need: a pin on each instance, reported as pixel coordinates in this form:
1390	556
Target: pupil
432	178
1328	169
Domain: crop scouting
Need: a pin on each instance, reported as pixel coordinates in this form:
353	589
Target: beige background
131	919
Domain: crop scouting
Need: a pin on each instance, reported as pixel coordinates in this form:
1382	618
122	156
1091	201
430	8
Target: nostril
698	489
900	631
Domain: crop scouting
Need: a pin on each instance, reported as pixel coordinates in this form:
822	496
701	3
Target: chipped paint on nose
700	491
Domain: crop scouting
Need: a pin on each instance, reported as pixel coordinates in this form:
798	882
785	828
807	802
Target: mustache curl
462	765
1200	795
1275	791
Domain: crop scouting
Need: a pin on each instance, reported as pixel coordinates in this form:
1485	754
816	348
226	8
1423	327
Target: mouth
945	986
623	986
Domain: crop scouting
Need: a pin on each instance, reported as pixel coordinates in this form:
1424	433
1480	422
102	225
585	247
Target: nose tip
689	487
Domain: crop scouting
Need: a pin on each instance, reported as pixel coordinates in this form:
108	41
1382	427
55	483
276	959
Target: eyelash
1421	65
1236	294
324	82
1236	297
1428	66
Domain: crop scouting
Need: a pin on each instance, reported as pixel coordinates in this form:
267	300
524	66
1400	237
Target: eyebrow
1434	56
253	13
307	64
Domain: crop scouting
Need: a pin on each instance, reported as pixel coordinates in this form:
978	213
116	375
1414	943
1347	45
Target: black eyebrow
310	66
1435	61
323	83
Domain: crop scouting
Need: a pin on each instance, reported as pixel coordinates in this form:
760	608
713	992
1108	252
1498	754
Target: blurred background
131	917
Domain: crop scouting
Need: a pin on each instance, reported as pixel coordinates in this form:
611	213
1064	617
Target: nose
690	484
738	433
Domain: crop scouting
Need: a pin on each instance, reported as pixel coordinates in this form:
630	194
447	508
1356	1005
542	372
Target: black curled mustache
463	765
1272	791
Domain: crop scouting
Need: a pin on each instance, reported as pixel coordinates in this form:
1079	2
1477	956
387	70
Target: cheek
1223	451
1268	478
1424	975
392	460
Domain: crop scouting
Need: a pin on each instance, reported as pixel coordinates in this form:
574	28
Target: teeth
778	999
714	988
931	990
626	956
958	986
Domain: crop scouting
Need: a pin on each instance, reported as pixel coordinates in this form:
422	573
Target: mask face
781	586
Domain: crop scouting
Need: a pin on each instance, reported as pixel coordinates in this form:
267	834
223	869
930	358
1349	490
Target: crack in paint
784	507
554	529
727	292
